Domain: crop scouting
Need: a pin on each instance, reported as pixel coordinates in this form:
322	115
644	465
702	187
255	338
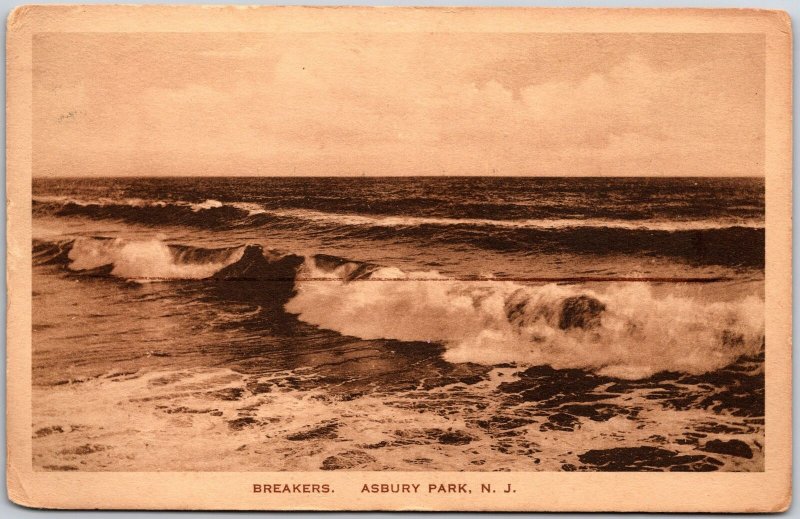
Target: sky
167	104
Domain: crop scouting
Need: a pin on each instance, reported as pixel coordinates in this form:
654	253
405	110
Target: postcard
289	258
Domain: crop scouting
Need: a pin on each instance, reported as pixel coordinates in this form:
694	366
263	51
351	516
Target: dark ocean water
399	323
697	222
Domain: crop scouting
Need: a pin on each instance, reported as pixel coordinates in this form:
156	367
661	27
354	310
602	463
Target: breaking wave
625	330
154	260
150	259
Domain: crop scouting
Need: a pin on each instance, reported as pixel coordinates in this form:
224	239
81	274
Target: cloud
397	106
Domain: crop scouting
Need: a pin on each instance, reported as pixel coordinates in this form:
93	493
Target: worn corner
19	15
16	489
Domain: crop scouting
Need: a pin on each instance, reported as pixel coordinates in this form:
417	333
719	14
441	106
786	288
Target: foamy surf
264	423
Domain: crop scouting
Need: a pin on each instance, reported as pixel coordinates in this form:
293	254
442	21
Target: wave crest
542	224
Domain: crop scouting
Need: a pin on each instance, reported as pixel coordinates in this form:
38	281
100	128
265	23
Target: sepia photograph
407	251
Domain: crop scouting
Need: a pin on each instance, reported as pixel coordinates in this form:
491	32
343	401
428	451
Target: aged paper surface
399	259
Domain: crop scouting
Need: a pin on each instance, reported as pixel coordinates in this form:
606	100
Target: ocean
381	323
